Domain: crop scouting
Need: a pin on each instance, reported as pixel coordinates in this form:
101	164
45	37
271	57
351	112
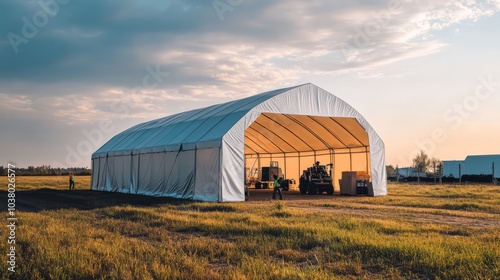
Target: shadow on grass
52	199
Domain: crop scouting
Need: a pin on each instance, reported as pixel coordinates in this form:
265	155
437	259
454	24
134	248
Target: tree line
46	170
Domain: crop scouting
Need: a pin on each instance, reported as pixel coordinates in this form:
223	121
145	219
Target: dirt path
379	211
402	213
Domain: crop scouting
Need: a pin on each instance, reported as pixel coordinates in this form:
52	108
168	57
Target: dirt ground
52	199
266	194
380	212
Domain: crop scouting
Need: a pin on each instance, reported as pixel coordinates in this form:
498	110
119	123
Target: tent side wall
192	174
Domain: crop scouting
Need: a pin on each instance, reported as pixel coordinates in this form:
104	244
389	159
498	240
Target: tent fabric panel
197	134
341	162
261	138
327	133
148	136
157	174
209	143
190	127
291	128
257	144
377	163
232	166
338	131
173	147
140	147
291	131
110	145
219	129
246	104
145	165
274	129
170	172
116	173
163	139
172	119
310	127
359	162
143	144
95	174
125	186
134	174
356	130
207	175
130	142
101	179
359	150
116	153
186	175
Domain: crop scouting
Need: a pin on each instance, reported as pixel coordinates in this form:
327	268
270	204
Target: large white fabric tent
205	154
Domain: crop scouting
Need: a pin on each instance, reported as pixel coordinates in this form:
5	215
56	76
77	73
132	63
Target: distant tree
390	169
421	162
31	170
436	165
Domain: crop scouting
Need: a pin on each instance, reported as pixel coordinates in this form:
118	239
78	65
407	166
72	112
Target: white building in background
453	168
473	165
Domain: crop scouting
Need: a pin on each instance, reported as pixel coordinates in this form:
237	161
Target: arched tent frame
297	141
200	154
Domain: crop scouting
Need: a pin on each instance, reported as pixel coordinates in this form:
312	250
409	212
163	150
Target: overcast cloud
89	55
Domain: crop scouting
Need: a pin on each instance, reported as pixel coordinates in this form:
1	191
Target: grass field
416	232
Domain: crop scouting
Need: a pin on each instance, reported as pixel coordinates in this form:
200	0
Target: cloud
20	103
92	54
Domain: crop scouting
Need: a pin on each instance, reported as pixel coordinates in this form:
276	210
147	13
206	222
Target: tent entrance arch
298	141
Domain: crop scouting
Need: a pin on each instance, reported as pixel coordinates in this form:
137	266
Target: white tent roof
201	128
290	120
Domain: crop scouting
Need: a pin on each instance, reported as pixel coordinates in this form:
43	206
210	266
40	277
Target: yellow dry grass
417	232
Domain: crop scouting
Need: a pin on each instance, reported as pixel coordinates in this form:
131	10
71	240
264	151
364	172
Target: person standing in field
277	186
71	181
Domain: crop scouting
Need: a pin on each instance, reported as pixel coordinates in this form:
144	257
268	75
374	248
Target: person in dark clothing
277	186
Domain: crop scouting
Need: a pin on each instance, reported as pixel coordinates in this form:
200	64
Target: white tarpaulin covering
200	154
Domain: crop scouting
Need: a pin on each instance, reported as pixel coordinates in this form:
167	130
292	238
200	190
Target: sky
73	74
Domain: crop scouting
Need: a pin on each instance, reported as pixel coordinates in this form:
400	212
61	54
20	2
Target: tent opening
296	142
